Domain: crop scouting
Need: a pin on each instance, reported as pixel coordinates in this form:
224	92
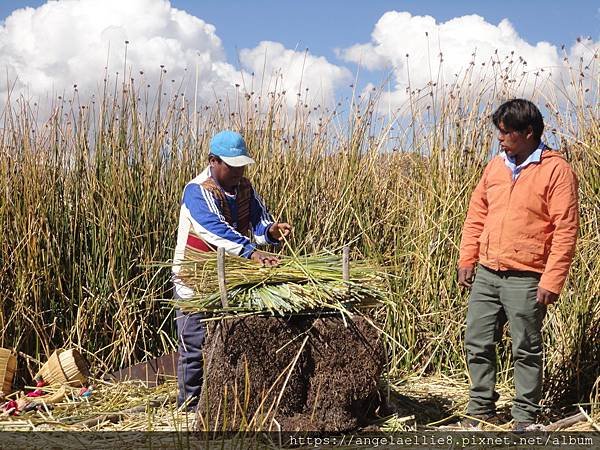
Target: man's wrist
248	250
270	239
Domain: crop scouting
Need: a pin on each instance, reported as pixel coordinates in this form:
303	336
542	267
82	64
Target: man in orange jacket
520	231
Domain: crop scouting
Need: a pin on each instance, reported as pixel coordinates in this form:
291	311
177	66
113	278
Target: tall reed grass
90	197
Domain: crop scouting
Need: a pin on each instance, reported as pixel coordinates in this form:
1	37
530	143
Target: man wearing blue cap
219	209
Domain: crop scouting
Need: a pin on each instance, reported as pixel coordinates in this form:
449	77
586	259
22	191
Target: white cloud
443	52
281	69
366	55
49	49
60	44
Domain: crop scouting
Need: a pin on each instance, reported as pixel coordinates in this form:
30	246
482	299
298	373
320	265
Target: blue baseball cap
231	148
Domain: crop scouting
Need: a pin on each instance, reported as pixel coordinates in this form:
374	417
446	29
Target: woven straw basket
65	367
8	366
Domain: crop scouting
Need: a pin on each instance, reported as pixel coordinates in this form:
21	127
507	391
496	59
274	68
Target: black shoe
522	427
476	420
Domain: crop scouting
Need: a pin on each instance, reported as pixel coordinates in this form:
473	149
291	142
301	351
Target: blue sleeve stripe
210	202
261	220
212	205
209	223
265	218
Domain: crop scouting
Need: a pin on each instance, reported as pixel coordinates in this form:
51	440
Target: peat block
307	373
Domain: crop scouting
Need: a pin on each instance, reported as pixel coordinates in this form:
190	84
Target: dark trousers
190	336
495	297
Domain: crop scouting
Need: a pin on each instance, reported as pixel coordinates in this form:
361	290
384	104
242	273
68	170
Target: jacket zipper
512	185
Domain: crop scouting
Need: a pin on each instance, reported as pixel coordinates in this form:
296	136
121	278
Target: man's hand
466	276
545	297
278	231
264	259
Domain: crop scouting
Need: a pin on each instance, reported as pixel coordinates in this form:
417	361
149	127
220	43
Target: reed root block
303	373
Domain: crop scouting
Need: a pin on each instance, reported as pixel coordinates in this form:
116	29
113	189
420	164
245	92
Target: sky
326	24
288	45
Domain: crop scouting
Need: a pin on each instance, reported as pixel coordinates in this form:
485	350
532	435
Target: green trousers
497	296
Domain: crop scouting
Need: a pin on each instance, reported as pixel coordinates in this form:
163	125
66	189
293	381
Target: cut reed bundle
297	285
65	367
8	366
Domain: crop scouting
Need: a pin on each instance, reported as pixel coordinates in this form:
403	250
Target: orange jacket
529	224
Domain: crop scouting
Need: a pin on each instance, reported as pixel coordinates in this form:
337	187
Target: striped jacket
203	225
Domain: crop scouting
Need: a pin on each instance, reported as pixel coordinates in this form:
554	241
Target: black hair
517	115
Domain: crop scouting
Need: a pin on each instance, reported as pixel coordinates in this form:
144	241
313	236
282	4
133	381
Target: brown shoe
476	420
522	427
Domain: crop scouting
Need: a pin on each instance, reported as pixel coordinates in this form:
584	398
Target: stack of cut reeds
8	366
299	284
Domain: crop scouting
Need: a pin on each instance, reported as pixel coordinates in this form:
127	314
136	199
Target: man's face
227	176
515	143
